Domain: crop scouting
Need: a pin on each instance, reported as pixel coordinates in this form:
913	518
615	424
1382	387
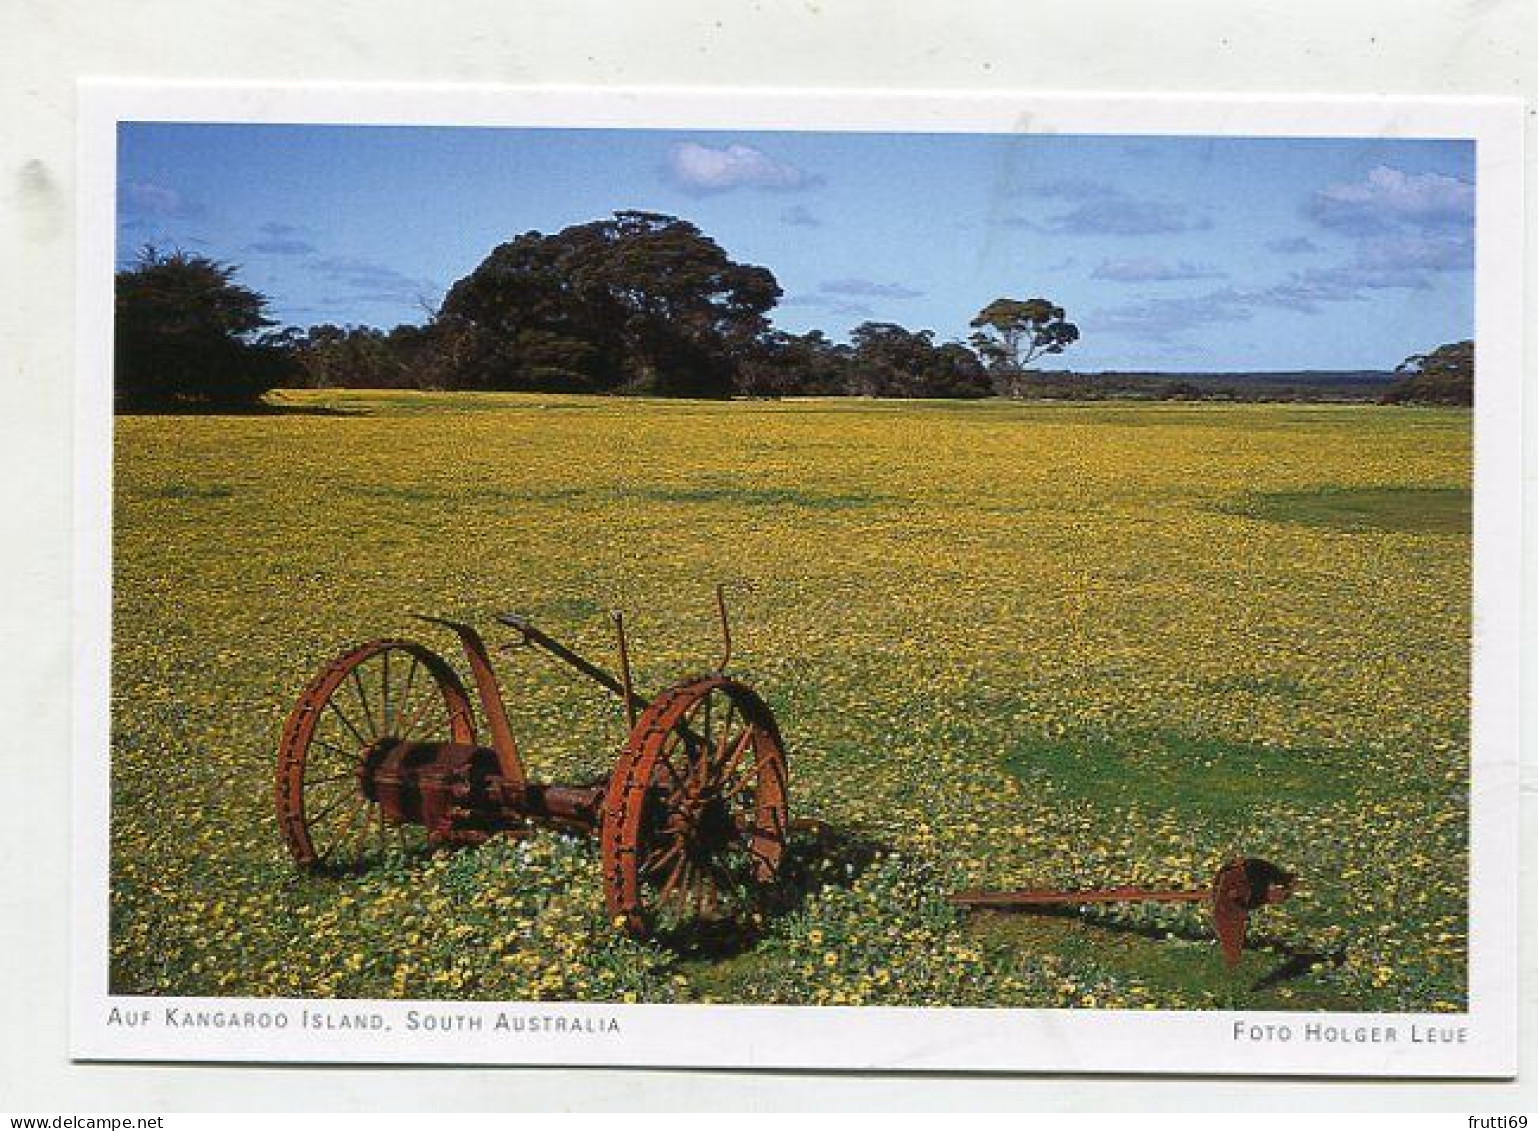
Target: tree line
639	303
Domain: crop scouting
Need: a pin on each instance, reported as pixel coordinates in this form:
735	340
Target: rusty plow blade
1242	885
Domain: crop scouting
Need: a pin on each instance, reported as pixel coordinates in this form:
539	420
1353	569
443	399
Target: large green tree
1011	333
187	334
642	302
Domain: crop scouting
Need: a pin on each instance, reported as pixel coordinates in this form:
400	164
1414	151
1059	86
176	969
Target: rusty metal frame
461	793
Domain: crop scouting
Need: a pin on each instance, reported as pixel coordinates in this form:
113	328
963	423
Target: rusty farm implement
1242	885
383	748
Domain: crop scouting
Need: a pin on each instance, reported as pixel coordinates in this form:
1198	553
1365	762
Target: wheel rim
696	814
370	696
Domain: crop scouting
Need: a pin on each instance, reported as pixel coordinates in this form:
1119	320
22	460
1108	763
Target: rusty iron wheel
362	701
696	815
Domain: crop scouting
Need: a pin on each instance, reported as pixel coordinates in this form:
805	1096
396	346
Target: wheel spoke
311	782
679	872
691	739
357	686
327	789
663	854
347	754
347	722
405	696
726	729
665	761
329	809
384	693
419	715
720	780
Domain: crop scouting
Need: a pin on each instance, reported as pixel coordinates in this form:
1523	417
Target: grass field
1008	646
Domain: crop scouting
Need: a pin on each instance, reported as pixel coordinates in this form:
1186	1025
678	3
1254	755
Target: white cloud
1163	319
281	239
1152	271
835	305
1101	209
1417	253
1390	199
376	281
147	198
1302	292
702	169
866	288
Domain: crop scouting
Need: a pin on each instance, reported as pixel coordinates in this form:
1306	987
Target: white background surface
1435	47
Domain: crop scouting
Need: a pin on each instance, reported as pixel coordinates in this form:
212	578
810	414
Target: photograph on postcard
792	567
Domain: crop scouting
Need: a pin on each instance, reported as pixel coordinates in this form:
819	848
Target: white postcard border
826	1037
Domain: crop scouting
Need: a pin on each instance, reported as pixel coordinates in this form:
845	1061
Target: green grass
1202	778
1172	957
1403	510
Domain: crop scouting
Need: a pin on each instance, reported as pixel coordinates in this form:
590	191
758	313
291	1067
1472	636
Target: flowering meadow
1008	645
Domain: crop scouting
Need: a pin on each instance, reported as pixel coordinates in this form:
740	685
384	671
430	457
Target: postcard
825	580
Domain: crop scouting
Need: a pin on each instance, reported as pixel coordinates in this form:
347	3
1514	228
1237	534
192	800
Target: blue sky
1175	253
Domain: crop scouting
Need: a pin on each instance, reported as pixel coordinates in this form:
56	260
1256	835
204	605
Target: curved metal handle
502	741
726	628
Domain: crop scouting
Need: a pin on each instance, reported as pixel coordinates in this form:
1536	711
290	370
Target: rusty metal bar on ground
1001	900
1241	886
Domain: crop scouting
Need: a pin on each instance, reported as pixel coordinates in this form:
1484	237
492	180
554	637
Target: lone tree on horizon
1012	333
186	334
